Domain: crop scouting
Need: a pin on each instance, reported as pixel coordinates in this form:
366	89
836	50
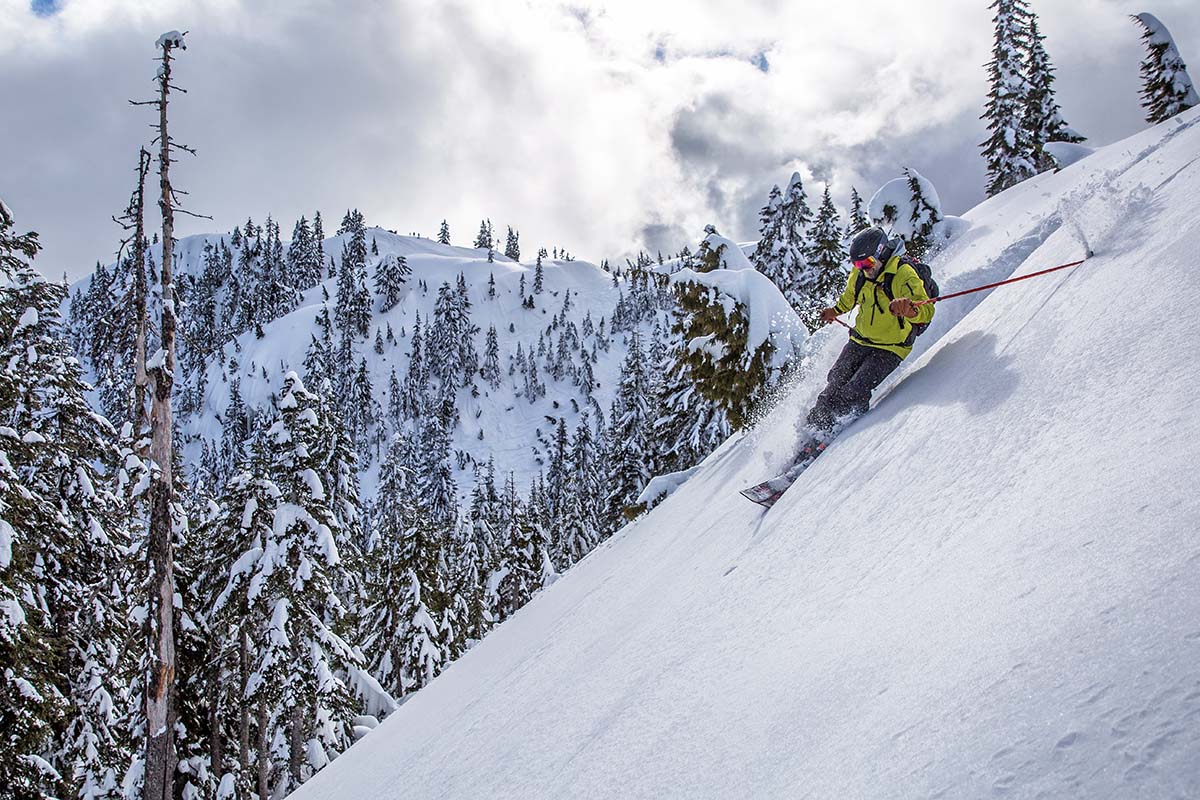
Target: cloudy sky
597	125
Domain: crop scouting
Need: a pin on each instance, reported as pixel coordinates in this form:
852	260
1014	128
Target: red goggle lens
865	263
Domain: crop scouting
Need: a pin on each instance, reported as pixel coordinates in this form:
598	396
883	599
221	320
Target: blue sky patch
45	8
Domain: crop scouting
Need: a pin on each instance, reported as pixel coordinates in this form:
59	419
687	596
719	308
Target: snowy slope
989	586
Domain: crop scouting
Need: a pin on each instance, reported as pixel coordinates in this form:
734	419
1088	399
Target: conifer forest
261	486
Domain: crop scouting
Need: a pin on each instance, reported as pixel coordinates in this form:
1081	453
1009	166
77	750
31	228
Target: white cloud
585	124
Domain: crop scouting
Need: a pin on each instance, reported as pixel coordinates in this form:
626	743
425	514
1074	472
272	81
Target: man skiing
887	291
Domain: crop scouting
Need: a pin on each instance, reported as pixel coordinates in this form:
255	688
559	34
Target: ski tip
744	493
765	502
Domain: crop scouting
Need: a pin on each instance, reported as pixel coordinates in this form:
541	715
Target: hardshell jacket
875	325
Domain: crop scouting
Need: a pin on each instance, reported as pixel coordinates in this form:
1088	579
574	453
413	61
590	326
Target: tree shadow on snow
970	371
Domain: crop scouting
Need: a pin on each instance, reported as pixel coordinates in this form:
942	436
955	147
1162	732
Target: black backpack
923	272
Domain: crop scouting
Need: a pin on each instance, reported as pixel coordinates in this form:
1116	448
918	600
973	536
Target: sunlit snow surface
990	586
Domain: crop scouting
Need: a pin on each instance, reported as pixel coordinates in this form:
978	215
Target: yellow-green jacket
875	325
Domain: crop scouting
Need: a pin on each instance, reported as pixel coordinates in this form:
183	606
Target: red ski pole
989	285
1000	283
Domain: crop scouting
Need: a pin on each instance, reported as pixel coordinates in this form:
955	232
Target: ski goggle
865	263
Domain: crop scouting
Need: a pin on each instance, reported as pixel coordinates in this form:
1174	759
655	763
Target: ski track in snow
988	587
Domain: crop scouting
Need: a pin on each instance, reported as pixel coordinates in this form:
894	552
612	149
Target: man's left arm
913	289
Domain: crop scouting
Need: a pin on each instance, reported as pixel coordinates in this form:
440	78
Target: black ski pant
855	374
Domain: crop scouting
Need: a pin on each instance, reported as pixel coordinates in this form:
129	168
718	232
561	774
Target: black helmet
871	243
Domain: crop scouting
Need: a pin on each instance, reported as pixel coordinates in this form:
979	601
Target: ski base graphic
769	491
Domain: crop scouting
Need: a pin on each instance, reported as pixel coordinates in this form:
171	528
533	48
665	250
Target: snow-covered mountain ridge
988	586
559	314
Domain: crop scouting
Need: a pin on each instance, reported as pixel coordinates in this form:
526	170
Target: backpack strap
886	285
860	280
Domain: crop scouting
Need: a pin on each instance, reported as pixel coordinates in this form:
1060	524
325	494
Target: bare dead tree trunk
140	380
160	689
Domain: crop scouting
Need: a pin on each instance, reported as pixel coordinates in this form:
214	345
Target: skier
886	291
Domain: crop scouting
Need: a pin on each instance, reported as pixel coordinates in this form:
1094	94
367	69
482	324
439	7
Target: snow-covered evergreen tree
524	560
467	566
304	256
785	241
281	286
485	517
714	345
467	333
444	233
237	424
909	207
926	213
413	395
391	277
244	298
64	629
351	222
827	263
1167	88
557	471
400	553
443	353
438	495
857	216
768	231
352	313
1009	147
450	352
108	321
420	648
292	591
484	240
490	370
320	359
234	534
1042	115
512	245
630	442
688	425
318	253
362	414
395	406
417	511
581	517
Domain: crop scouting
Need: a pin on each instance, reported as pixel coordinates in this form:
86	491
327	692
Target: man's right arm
846	301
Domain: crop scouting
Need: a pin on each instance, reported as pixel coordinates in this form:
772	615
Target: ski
769	491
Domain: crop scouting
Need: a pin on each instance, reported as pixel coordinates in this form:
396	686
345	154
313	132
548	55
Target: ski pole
1001	283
